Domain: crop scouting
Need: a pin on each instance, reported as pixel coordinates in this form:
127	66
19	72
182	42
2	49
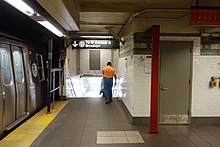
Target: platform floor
91	123
26	133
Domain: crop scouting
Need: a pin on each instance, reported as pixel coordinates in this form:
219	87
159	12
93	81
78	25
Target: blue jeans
108	83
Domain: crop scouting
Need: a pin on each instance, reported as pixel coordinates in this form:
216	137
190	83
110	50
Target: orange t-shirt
108	72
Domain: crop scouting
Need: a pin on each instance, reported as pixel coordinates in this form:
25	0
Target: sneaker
107	102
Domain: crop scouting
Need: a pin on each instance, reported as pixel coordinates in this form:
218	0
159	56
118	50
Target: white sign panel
148	63
34	69
97	44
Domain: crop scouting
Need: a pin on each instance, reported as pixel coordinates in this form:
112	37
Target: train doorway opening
84	71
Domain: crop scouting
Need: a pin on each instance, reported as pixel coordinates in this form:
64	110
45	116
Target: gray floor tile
72	140
112	145
88	145
212	140
88	139
103	127
202	144
186	144
138	145
168	144
181	138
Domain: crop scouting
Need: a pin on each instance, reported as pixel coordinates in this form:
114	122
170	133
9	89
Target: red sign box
205	17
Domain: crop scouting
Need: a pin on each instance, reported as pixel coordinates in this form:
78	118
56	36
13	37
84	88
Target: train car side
22	82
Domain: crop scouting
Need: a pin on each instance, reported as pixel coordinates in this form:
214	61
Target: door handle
163	88
3	95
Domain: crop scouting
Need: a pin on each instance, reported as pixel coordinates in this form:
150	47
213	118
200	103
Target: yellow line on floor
25	134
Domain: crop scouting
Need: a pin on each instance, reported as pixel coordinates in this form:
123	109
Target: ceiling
20	27
104	17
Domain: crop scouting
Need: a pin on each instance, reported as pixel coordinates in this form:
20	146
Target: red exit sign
205	16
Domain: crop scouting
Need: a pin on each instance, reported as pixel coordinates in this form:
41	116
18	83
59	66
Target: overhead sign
95	44
205	16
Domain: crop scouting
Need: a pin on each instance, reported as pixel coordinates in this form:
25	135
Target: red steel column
155	31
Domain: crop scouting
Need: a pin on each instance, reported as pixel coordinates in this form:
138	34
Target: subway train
23	81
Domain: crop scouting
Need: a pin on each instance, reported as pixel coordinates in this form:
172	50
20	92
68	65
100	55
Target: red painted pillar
155	31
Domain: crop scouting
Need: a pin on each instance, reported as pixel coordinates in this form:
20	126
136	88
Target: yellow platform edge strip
25	134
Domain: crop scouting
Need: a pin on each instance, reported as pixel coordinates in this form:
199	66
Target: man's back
108	72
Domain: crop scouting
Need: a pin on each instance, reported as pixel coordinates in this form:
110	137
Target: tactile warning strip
113	137
25	134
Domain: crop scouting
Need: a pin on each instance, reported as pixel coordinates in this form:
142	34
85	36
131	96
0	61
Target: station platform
89	122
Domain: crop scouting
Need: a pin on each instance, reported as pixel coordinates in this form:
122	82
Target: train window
5	66
18	66
40	67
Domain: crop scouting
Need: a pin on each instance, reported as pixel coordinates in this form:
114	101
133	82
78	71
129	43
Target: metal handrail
72	87
56	69
53	71
55	89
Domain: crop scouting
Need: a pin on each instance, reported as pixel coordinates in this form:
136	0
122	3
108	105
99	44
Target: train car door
20	81
7	84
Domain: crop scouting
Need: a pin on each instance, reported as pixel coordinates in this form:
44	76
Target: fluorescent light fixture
108	37
21	6
50	27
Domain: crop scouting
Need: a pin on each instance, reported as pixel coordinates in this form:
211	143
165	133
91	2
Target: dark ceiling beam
75	35
101	24
130	7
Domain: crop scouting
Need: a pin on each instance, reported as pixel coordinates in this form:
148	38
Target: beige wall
78	60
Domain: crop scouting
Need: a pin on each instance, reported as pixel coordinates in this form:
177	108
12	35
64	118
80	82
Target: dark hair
109	63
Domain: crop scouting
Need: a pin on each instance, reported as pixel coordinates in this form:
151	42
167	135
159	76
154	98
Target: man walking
108	74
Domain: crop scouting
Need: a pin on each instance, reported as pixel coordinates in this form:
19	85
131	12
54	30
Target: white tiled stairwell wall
105	56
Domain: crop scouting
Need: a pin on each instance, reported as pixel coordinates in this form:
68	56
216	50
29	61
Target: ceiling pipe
104	24
148	10
162	18
115	35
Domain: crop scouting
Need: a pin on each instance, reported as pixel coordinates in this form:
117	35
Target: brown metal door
174	82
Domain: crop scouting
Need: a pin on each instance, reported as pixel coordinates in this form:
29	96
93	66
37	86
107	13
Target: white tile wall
70	62
125	76
84	61
205	102
141	104
136	85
